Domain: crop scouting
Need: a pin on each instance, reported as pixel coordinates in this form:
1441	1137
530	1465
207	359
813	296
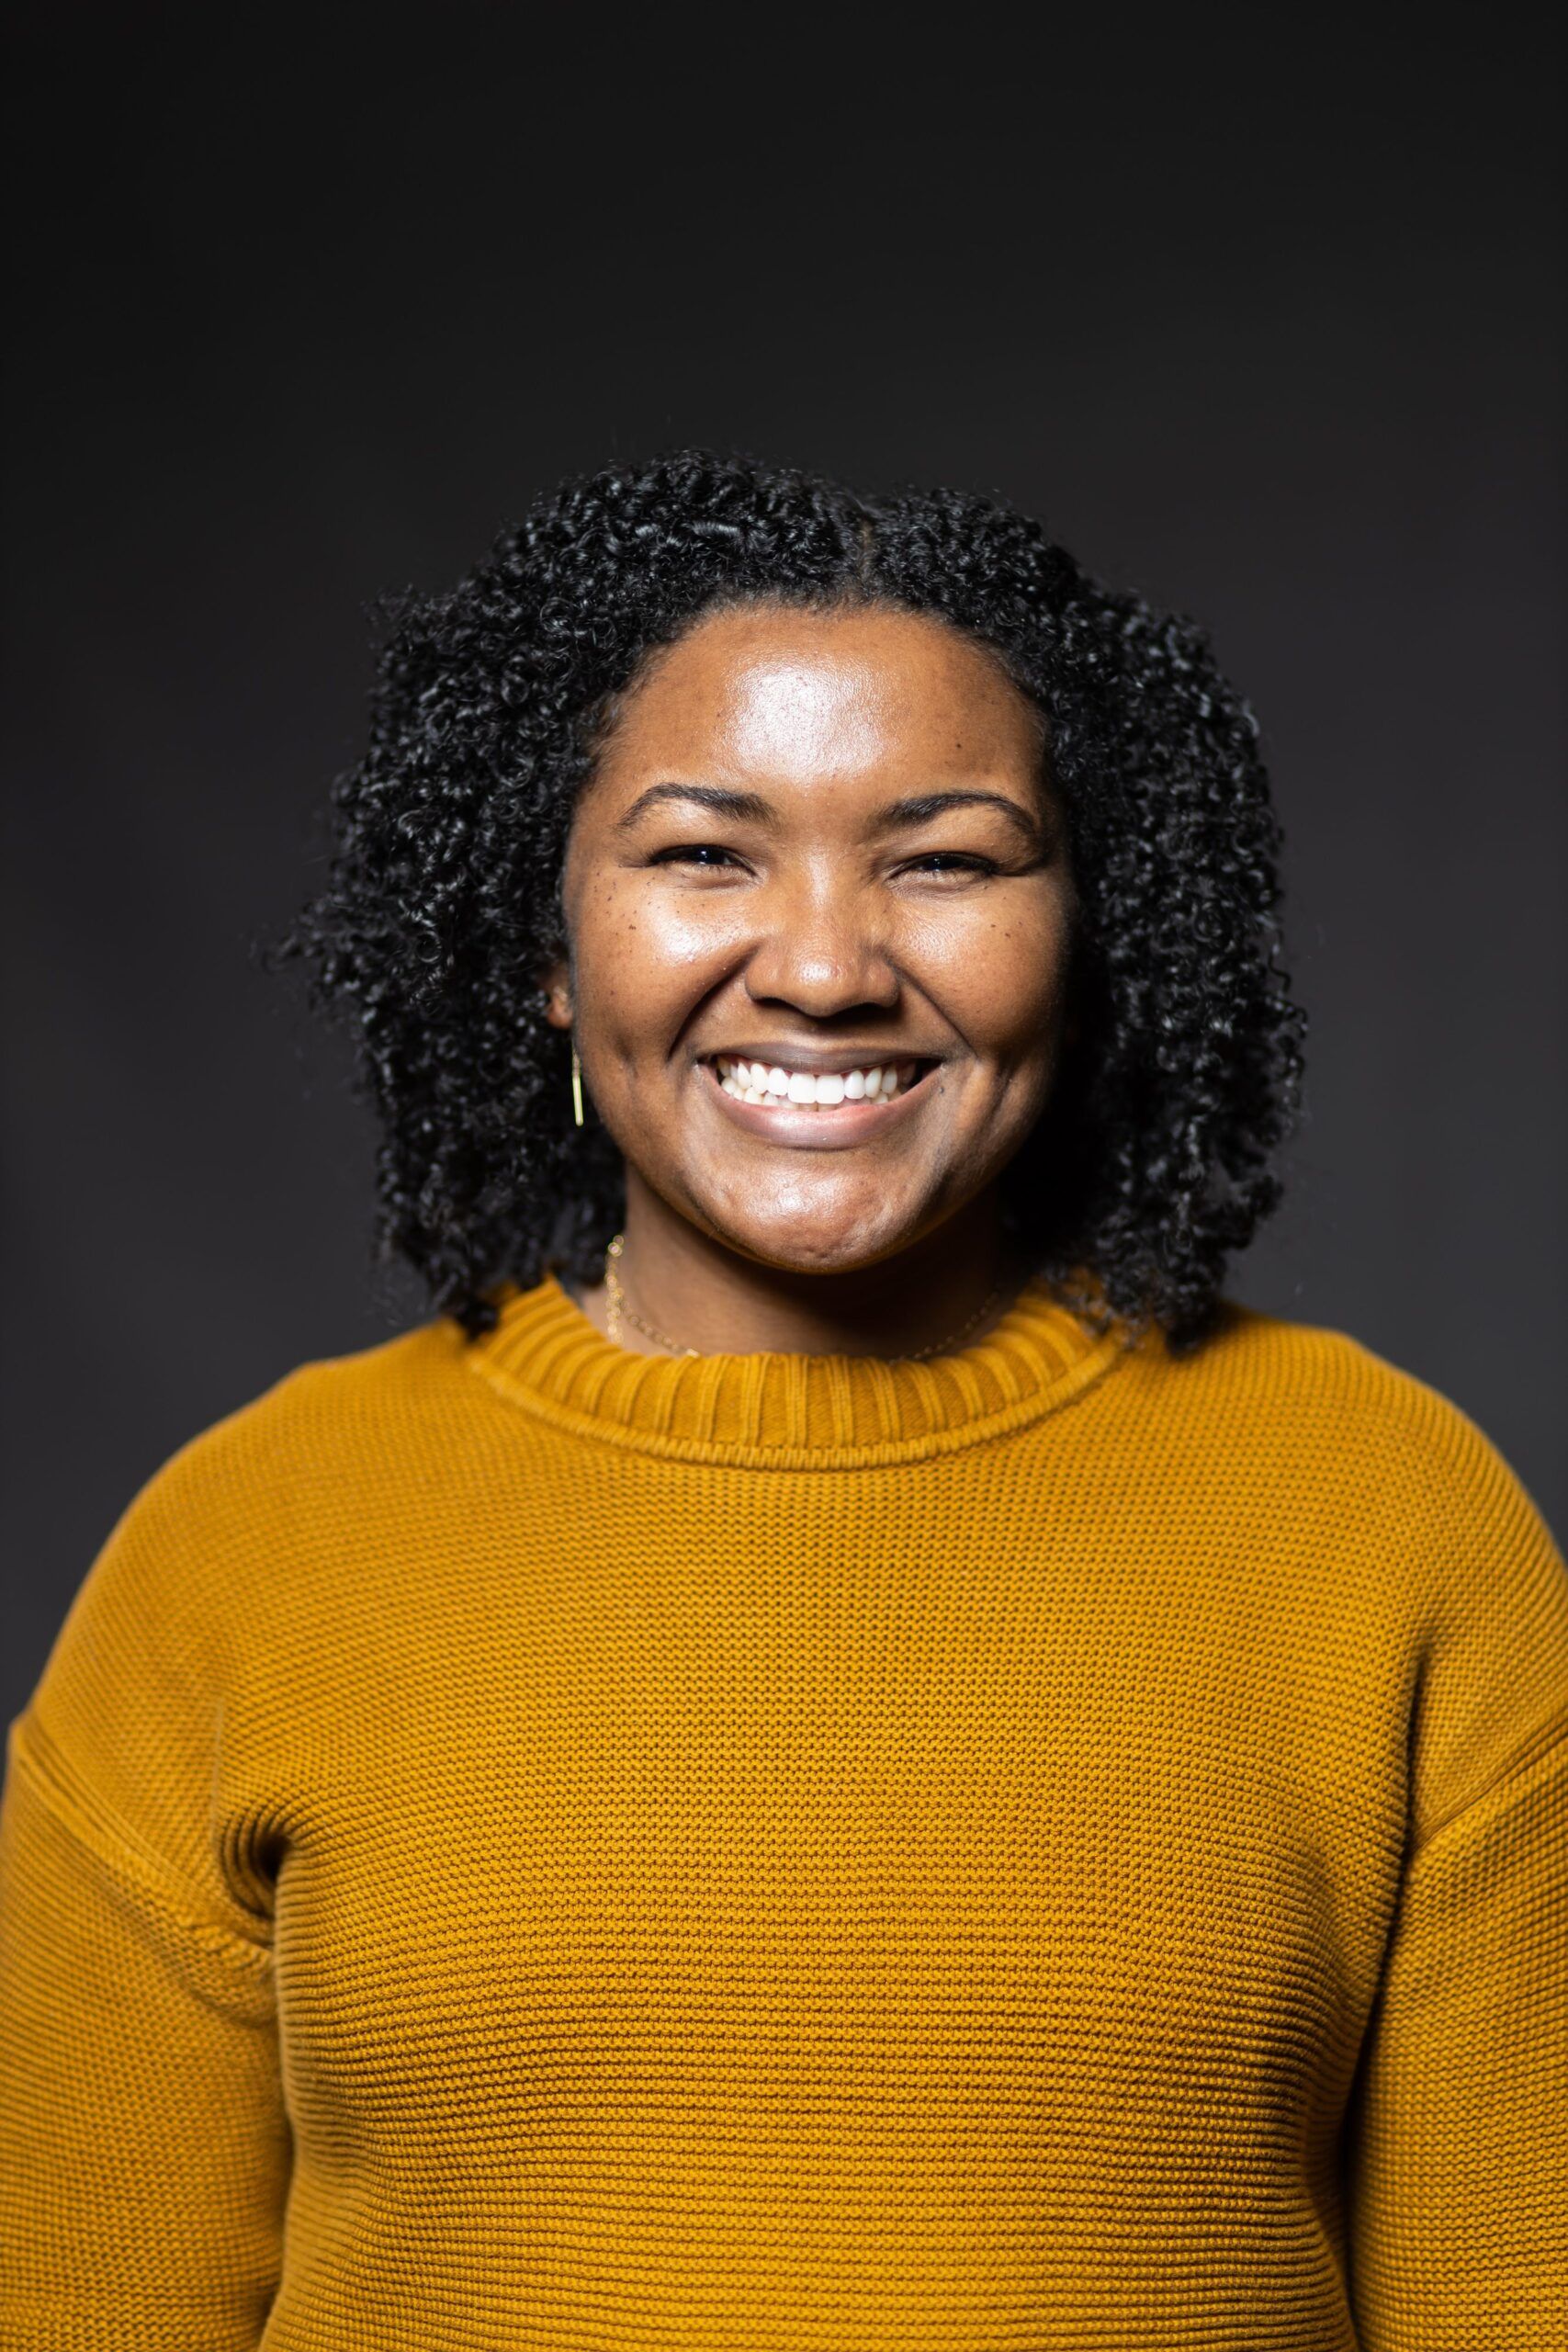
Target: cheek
643	957
995	968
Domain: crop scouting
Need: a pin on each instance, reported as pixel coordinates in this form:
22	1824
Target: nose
821	948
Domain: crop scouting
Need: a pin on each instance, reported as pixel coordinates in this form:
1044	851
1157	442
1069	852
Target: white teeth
756	1082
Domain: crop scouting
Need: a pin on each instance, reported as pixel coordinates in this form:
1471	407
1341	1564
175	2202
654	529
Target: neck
706	1296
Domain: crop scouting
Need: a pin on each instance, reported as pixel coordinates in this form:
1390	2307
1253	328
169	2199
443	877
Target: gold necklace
617	1305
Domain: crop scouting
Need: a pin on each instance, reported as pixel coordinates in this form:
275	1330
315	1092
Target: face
816	847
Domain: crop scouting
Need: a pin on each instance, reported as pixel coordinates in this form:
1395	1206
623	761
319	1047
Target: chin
820	1257
805	1244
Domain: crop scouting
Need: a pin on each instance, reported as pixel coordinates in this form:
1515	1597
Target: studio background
1260	325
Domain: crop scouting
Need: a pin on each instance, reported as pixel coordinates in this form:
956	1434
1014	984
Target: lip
834	1127
822	1058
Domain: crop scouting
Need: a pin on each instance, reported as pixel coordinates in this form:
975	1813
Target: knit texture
522	1844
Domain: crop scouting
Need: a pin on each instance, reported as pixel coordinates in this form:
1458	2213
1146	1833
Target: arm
144	2143
1457	2136
1459	2180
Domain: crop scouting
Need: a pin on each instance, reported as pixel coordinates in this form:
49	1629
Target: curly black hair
1152	1159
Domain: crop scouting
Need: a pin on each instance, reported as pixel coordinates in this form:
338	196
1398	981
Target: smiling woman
837	1748
818	856
707	723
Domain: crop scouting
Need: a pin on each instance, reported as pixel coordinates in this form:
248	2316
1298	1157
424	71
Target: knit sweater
522	1844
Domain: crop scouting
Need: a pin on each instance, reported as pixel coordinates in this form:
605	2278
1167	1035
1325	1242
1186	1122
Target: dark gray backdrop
1259	324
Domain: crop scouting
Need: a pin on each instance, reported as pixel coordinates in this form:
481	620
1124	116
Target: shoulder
261	1486
1319	1397
1307	1430
1337	1451
324	1418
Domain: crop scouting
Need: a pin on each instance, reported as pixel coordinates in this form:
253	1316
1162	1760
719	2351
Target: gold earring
576	1086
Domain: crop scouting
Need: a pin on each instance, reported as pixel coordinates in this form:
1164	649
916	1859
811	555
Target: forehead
775	692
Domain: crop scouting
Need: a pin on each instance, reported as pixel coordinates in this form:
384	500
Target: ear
555	979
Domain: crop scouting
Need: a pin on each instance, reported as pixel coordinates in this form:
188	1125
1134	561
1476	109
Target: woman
839	1749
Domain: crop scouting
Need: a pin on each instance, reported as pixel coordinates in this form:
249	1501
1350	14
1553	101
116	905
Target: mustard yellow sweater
520	1844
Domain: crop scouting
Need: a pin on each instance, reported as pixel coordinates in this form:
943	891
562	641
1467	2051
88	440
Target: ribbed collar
787	1412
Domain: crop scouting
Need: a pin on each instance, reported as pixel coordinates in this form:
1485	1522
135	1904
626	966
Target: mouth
825	1090
817	1109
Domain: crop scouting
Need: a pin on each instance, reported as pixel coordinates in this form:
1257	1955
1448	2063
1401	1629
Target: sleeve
1456	2143
144	2141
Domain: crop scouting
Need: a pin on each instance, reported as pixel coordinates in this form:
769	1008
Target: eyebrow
921	806
743	806
749	807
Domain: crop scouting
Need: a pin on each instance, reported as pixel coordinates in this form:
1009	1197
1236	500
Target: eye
951	861
693	851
